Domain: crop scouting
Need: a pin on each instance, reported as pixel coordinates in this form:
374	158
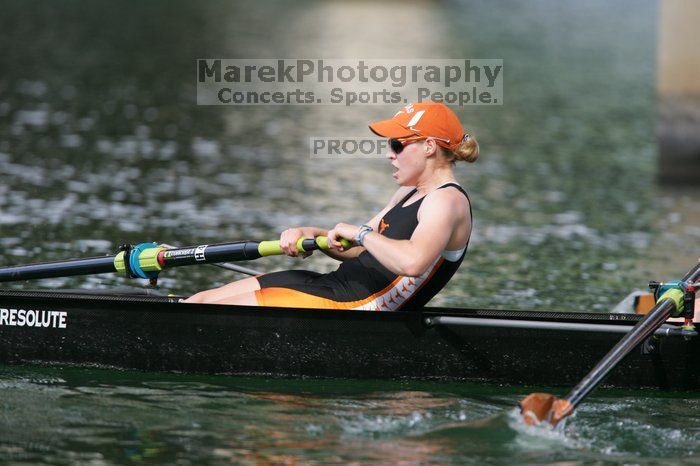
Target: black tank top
375	287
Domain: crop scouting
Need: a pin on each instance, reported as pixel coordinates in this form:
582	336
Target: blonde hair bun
468	150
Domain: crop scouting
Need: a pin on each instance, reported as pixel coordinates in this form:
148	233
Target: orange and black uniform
363	282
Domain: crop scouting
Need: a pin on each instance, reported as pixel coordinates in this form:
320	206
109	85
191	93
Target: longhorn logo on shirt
382	226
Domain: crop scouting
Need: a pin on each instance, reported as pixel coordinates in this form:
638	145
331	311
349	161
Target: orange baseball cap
426	119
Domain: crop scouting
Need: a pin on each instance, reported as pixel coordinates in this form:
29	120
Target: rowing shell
156	333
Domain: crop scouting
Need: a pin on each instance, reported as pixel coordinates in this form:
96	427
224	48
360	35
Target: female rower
407	252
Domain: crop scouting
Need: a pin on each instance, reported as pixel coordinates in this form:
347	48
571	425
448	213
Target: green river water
101	143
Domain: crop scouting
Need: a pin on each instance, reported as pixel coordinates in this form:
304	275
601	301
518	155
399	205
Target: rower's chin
402	180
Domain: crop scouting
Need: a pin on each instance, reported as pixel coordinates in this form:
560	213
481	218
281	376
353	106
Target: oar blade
544	407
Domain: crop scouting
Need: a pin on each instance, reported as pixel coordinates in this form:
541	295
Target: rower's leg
247	285
244	299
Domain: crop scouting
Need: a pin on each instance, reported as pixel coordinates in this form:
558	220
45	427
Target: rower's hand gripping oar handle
273	248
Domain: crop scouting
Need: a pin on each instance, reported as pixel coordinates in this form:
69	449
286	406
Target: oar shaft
67	268
225	252
640	332
151	259
225	266
208	254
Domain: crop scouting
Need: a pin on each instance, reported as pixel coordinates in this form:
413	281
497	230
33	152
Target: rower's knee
247	285
243	299
199	298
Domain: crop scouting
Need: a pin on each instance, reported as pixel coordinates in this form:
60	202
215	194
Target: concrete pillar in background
679	92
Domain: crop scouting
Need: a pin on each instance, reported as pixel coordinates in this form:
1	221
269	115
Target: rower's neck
437	179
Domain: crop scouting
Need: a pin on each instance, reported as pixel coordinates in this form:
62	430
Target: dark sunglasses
397	145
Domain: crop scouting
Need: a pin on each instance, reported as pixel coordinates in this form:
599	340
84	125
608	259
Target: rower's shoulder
448	196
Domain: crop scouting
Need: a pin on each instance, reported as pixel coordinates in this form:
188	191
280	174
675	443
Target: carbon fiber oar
231	267
147	260
539	407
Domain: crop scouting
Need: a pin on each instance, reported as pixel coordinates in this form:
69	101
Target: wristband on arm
364	231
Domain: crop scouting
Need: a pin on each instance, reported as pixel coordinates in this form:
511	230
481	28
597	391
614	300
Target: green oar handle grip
272	248
322	243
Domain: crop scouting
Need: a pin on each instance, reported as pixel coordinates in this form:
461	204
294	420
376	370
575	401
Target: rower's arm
437	223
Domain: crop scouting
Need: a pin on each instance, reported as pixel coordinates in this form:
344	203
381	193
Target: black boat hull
159	334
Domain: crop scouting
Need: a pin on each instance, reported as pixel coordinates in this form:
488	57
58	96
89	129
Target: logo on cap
416	118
